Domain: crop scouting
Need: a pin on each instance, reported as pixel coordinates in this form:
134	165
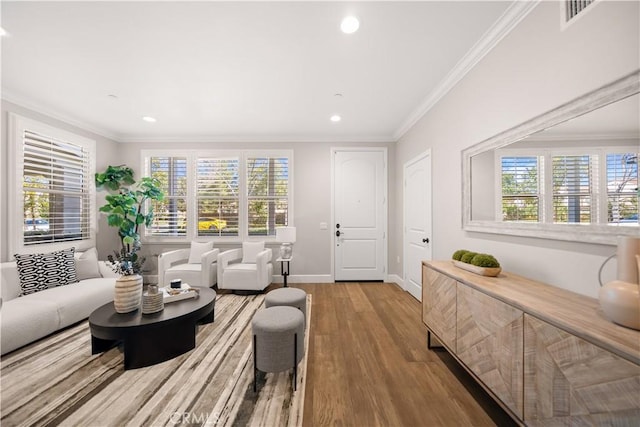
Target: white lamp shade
286	234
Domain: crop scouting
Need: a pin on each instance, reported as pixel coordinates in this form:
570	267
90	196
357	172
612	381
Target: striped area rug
56	381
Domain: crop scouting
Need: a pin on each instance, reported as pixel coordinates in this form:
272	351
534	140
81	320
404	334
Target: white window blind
267	194
55	189
622	188
573	183
170	214
520	188
218	196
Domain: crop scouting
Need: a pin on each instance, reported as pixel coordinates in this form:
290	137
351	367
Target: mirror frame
597	233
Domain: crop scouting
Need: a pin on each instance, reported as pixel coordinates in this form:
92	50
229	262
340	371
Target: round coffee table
152	338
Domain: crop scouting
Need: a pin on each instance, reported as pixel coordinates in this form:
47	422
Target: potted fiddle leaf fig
125	209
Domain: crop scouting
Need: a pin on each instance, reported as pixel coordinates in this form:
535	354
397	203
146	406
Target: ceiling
262	71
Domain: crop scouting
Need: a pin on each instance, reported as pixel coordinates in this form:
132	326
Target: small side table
284	269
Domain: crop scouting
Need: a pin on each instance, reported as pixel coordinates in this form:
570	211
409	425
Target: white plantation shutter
520	188
622	188
218	196
170	214
573	183
267	194
56	189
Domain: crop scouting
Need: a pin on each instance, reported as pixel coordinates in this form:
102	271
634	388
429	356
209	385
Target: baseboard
305	278
394	278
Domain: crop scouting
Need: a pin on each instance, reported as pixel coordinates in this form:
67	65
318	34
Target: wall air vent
574	7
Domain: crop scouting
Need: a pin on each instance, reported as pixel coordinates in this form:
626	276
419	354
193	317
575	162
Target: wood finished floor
369	364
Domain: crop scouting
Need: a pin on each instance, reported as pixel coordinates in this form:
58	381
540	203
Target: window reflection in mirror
582	171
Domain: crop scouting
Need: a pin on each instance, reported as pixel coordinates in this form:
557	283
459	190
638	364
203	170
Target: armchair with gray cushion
196	266
245	269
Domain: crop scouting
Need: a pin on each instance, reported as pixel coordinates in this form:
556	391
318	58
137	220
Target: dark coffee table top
106	316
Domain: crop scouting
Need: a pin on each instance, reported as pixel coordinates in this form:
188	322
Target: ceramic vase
128	293
620	302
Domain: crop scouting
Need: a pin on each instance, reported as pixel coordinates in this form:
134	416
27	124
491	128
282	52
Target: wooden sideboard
547	355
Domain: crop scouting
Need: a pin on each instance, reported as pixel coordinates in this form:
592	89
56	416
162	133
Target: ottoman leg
255	364
295	361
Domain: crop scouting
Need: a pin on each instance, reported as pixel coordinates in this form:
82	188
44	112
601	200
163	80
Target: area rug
56	381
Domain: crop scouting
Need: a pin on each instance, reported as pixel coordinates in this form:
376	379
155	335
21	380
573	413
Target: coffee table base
148	346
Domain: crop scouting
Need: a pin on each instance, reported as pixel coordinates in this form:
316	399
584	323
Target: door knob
425	240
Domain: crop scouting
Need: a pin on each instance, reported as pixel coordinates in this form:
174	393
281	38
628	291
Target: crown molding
503	26
21	101
253	138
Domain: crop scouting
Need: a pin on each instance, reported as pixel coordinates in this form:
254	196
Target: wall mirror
568	174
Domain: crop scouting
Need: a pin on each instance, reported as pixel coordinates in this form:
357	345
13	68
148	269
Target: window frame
599	190
17	125
192	199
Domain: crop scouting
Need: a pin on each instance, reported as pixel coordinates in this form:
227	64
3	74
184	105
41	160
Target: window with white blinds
577	186
573	184
55	203
520	189
267	194
220	194
622	188
170	214
574	7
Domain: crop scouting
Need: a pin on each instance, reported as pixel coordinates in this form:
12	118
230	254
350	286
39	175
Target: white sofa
24	319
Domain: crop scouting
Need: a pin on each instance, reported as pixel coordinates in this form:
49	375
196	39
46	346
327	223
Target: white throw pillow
197	249
250	251
87	264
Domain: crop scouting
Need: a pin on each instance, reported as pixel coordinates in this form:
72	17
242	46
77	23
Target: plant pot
128	293
482	271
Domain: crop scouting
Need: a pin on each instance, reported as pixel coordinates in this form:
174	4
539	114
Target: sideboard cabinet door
439	306
569	381
489	342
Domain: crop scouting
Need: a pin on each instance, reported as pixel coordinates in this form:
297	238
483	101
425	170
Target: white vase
128	293
620	301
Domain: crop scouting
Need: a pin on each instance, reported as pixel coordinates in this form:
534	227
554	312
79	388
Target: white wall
312	199
537	67
106	154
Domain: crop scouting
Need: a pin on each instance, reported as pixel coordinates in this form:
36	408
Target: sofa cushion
250	251
23	320
76	302
197	249
87	264
43	271
9	281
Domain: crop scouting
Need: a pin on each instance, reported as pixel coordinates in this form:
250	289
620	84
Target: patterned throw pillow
39	272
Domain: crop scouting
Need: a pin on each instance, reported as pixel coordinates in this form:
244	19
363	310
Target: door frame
425	154
385	217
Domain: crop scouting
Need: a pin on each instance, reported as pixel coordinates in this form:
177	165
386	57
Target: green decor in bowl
478	263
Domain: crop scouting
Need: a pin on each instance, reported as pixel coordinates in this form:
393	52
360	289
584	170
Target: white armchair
179	264
246	269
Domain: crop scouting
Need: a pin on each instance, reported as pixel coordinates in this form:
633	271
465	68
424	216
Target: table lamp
286	236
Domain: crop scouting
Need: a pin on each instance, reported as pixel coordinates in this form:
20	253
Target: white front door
360	214
417	221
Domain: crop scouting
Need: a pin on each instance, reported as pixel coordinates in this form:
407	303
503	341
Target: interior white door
359	215
417	221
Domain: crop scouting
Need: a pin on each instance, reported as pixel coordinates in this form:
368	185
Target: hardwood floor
369	364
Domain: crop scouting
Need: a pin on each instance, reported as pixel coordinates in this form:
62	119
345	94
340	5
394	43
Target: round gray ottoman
292	297
278	340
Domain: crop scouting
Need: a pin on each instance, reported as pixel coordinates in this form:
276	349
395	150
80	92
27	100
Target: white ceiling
239	70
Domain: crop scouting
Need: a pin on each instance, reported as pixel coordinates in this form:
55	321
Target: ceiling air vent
574	7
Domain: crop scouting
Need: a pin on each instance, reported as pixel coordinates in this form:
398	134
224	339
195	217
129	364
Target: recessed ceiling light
3	32
350	25
149	119
336	118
